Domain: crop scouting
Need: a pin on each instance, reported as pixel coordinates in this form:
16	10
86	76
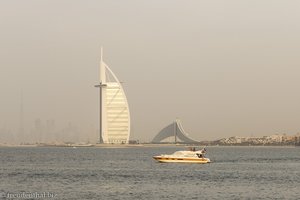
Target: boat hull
181	160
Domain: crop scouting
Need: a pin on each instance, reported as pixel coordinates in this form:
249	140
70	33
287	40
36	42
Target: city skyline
223	68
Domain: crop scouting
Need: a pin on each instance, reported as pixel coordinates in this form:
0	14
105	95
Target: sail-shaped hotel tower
114	110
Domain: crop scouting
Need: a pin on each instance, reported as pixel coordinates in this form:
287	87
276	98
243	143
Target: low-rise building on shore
277	139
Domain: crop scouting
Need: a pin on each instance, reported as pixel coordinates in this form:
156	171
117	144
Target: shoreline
129	145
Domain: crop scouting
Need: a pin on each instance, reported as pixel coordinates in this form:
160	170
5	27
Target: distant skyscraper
39	130
114	110
21	125
50	130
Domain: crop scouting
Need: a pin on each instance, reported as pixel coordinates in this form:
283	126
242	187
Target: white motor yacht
190	156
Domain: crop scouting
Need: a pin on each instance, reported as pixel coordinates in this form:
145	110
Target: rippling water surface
131	173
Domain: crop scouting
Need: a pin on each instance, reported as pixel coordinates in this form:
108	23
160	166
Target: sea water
131	173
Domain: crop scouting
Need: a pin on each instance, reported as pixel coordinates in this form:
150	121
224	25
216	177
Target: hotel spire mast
102	83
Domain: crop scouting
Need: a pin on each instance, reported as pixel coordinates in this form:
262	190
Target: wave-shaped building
114	109
174	130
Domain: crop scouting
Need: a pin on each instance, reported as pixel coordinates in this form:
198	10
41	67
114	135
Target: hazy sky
223	67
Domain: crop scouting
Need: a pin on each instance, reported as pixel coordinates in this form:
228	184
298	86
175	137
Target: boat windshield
178	153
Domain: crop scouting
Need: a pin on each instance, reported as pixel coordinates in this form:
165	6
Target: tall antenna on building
21	125
100	85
